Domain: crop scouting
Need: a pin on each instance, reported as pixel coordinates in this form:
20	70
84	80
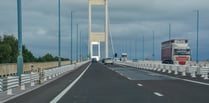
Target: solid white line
59	96
192	81
139	84
187	80
123	66
158	94
202	83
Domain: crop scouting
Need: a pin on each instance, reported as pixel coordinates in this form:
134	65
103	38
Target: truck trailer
175	51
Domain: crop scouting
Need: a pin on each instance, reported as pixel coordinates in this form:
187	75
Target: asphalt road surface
118	84
46	93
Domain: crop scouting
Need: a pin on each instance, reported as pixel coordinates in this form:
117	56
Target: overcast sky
129	21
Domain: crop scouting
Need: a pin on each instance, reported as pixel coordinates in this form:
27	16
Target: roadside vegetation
9	52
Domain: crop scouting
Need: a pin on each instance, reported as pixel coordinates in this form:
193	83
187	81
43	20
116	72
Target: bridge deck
118	84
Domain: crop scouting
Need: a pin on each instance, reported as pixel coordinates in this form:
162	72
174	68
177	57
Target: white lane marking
158	94
187	80
123	66
129	78
59	96
140	84
121	74
192	81
197	82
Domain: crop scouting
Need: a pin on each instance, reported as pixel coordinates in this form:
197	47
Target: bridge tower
96	37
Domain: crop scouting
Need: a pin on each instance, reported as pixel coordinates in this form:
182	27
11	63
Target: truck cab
176	51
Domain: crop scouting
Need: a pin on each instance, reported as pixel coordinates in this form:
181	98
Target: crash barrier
193	71
31	79
8	83
51	73
200	63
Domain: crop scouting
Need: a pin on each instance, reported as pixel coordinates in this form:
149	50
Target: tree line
9	52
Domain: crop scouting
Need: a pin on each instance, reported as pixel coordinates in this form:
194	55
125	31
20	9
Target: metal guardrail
176	69
51	73
10	82
204	72
31	78
1	85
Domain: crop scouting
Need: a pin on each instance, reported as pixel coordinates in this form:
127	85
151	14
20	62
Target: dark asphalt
105	84
174	90
177	91
102	85
46	93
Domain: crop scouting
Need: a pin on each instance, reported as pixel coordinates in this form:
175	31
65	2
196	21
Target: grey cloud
128	19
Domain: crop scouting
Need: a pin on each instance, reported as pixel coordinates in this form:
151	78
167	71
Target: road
118	84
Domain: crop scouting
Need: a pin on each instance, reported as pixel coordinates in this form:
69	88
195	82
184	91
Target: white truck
176	51
124	57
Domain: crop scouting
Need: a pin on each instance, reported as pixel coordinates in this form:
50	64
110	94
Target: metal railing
10	82
193	71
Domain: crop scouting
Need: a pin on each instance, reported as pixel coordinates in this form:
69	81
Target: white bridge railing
31	79
184	70
8	83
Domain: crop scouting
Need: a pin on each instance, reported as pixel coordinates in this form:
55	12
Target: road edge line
38	86
60	95
196	82
177	78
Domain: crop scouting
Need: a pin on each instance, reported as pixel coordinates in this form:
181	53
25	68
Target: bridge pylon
96	37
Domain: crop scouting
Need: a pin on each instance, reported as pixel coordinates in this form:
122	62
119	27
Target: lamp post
153	48
80	47
197	55
59	36
20	57
77	43
71	44
169	31
135	46
143	48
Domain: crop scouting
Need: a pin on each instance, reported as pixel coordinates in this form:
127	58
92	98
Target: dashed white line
158	94
59	96
129	78
140	84
121	74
